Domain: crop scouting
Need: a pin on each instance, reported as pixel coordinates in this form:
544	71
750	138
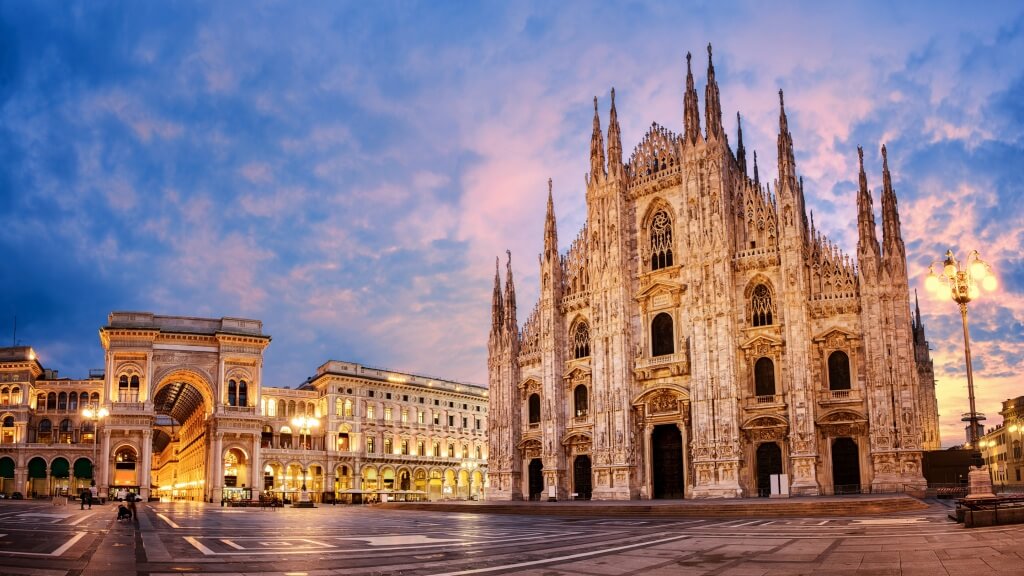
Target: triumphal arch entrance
181	394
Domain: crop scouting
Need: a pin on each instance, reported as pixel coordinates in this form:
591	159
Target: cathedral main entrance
581	480
769	461
667	461
845	466
536	479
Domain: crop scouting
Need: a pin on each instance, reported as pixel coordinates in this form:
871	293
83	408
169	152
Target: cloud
348	176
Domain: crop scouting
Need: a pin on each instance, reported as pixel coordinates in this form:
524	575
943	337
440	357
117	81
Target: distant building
1001	448
190	418
700	334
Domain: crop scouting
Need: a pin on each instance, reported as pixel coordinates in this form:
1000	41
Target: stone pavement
199	538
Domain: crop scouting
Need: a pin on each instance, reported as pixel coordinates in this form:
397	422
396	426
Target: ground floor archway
581	477
845	466
667	462
769	462
536	479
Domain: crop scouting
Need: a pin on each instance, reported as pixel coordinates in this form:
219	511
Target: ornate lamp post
305	424
963	285
95	414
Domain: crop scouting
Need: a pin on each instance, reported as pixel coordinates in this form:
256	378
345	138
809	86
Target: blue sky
347	172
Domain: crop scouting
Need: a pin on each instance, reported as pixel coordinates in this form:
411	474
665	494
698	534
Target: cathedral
700	338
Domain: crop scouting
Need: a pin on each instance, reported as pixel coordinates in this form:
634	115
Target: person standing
93	493
84	495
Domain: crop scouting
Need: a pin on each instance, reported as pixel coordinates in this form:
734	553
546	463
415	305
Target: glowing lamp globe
973	291
979	270
932	284
989	283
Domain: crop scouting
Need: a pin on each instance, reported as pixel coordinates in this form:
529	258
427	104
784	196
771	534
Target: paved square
205	539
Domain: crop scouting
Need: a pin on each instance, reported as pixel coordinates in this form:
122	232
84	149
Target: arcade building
180	411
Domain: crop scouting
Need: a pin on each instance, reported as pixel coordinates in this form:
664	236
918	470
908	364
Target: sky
347	171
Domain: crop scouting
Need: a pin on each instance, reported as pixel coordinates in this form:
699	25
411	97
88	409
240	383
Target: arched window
51	401
838	371
62	401
133	389
65	431
5	396
7	432
41	402
451	450
122	389
232	393
579	396
94	398
83	399
661	241
73	402
662	340
243	393
761	306
45	432
282	409
534	408
764	377
16	395
581	340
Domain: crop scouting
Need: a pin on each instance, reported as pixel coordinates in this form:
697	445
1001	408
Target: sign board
552	494
780	485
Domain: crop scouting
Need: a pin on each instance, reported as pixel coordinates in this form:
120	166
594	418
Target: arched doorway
769	461
6	475
182	401
60	475
83	473
845	466
667	461
536	479
434	490
581	477
36	477
126	469
236	476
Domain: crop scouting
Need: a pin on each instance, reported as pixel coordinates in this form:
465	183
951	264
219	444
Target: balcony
764	401
674	364
246	410
838	396
127	407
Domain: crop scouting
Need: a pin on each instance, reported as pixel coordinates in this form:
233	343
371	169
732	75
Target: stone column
103	460
216	472
256	464
147	463
647	492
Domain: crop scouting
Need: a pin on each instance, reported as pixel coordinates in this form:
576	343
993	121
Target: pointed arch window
661	241
581	340
662	339
761	306
838	371
764	377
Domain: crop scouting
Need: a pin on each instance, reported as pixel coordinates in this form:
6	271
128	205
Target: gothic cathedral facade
700	337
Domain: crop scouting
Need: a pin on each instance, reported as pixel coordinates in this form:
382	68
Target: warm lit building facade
701	335
1002	448
188	416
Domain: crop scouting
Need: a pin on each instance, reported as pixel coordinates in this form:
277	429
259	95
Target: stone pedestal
979	483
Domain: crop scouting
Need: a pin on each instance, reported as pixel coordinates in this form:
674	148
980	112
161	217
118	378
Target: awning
59	468
6	468
83	468
37	468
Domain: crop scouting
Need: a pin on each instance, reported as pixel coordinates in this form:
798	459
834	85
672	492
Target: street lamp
963	284
305	424
95	414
